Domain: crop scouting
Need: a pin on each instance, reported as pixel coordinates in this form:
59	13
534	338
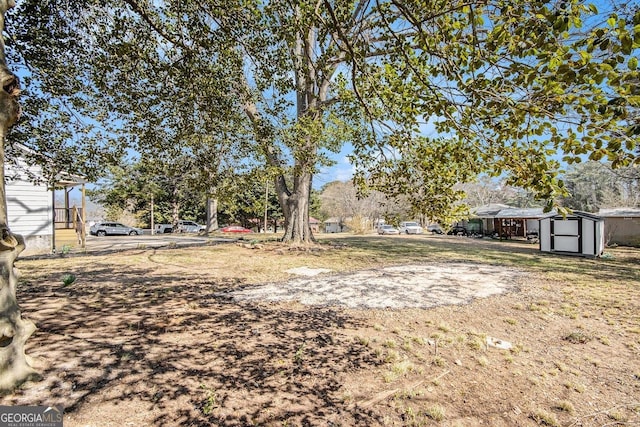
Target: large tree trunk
312	90
212	214
14	330
296	210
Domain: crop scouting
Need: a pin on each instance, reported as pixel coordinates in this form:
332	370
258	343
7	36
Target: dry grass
573	324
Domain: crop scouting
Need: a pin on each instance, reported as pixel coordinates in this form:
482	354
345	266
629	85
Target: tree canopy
595	185
430	93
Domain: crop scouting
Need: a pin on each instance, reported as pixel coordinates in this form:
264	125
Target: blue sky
341	171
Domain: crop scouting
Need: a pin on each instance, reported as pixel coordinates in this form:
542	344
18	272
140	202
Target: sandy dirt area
407	286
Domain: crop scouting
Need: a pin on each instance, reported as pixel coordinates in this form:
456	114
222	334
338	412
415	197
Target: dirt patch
406	286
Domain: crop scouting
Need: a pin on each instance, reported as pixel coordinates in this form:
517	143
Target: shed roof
578	214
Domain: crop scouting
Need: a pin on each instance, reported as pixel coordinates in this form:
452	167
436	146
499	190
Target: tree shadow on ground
171	350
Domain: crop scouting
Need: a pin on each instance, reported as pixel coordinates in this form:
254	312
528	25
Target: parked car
188	227
458	230
112	229
410	227
435	229
163	228
235	229
388	229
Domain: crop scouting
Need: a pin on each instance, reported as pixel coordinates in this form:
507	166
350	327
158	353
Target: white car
410	227
387	229
113	228
188	227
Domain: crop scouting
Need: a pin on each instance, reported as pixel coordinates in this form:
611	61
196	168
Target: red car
235	229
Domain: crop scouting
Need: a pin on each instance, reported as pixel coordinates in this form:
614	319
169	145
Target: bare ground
164	339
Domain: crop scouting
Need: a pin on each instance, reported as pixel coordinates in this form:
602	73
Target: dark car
112	229
458	230
435	229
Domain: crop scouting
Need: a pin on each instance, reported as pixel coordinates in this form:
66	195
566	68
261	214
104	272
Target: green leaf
626	43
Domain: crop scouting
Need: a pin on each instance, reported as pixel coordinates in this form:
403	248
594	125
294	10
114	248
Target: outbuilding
519	222
622	226
579	233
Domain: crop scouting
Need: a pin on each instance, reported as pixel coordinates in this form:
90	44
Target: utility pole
266	204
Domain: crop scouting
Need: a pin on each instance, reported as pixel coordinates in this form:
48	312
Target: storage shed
579	234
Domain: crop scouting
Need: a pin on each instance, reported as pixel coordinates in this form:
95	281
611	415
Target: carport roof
530	213
490	210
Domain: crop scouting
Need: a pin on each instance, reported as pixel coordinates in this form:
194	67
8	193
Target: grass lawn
152	337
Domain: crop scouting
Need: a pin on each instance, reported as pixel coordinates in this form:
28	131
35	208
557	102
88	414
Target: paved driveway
111	243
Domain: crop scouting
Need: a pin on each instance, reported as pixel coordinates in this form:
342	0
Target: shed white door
565	235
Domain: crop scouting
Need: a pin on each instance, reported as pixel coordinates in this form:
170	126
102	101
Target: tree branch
145	17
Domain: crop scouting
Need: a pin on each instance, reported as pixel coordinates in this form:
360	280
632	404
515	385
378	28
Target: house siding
622	231
30	213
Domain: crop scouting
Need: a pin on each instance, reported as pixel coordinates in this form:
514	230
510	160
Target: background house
485	215
333	225
622	226
519	222
314	224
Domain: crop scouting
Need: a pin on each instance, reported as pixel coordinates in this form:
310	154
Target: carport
518	222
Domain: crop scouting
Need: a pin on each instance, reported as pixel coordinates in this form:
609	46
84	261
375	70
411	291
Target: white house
29	210
334	225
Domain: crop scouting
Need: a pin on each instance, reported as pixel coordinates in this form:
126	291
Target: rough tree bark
296	206
14	330
212	214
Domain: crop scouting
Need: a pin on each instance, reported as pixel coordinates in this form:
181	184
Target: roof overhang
65	180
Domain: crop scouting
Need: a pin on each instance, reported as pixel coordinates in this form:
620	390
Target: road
114	243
